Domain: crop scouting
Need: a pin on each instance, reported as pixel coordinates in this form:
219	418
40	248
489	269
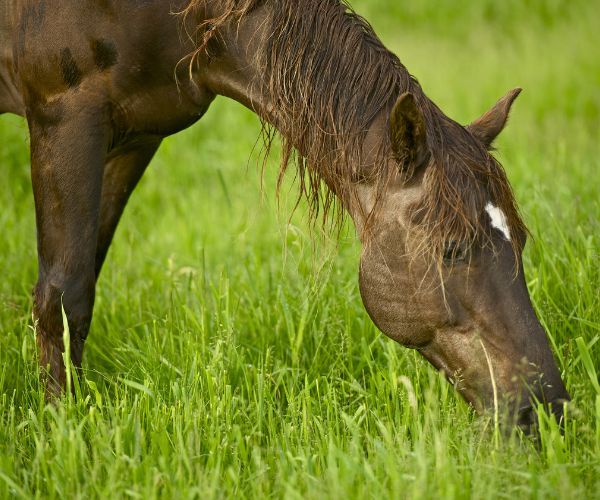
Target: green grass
230	354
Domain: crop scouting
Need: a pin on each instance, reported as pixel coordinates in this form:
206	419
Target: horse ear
408	132
487	128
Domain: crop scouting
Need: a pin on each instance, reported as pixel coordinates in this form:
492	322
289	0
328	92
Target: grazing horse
102	82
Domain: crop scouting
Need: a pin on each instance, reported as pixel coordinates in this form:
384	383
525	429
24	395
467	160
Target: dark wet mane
329	76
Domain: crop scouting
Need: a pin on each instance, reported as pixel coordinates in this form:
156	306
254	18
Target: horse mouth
527	416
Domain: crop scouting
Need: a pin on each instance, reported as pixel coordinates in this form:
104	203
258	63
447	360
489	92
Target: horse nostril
527	418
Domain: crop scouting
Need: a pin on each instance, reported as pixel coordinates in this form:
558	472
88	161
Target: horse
102	82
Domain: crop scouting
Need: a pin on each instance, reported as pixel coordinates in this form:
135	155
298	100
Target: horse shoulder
126	54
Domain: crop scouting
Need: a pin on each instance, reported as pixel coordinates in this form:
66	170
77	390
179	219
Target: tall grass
230	354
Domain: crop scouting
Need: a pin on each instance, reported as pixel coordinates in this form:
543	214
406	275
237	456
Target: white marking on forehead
498	219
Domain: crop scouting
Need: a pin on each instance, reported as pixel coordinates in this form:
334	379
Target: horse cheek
390	307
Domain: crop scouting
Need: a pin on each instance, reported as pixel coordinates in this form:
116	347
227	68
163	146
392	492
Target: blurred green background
230	354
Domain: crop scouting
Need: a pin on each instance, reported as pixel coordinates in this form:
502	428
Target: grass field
230	355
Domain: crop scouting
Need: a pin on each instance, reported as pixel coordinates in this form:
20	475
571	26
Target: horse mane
329	76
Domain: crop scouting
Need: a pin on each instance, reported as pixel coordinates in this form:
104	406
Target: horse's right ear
408	132
487	127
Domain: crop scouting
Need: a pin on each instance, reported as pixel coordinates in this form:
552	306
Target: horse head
441	268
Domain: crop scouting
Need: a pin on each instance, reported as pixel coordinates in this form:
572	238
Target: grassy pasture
230	355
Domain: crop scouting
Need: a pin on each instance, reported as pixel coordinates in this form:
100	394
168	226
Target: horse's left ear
408	132
487	128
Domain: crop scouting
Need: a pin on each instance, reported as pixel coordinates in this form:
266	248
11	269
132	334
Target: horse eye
454	252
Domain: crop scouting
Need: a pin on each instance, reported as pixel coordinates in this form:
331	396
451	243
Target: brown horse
102	82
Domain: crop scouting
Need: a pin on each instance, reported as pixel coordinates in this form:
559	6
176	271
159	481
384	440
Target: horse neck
236	69
232	70
335	146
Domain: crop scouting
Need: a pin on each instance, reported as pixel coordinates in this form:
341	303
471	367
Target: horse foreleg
122	172
68	149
